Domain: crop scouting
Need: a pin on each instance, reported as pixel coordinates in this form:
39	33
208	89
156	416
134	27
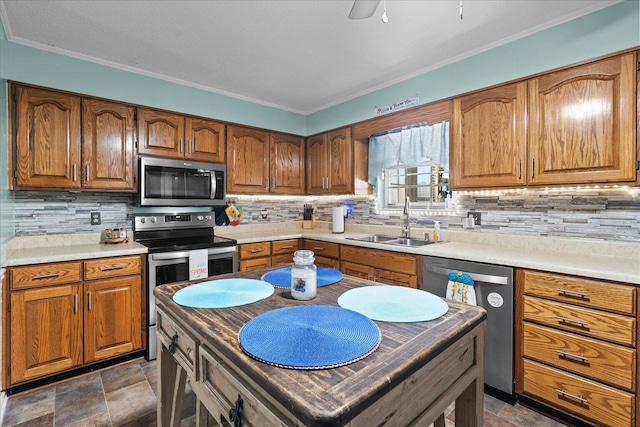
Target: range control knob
200	218
154	219
143	220
208	217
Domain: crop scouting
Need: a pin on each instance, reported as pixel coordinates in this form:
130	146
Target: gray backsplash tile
600	214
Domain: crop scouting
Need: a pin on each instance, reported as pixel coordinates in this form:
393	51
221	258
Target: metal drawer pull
113	267
318	248
75	303
172	344
90	305
571	396
573	356
569	292
255	251
287	247
562	319
46	276
234	413
87	167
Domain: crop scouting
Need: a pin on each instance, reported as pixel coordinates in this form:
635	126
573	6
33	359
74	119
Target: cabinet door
340	161
107	145
247	160
317	164
205	140
112	320
254	264
47	139
46	331
357	270
489	138
160	134
287	164
582	123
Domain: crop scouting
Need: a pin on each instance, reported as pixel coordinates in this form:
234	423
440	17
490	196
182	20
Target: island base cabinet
602	405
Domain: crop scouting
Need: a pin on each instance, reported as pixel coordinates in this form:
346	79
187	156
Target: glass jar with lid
303	275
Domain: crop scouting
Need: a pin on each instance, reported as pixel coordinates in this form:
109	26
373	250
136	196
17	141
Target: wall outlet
476	216
95	218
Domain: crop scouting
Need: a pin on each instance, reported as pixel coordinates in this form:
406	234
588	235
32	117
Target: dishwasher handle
477	277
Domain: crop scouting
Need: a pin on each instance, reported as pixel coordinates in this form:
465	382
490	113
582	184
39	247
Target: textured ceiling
300	55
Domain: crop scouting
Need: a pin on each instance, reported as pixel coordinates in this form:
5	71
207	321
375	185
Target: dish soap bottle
303	276
436	231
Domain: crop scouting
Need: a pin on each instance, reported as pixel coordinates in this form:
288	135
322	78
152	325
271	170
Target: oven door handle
486	278
185	254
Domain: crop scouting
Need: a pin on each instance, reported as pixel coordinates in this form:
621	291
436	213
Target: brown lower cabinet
388	267
253	256
327	254
65	315
576	346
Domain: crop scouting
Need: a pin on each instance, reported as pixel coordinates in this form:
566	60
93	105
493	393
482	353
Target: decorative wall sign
396	106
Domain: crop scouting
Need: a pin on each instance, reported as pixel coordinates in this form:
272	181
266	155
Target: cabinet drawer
280	247
34	276
578	396
325	249
254	250
581	291
323	261
178	342
610	363
282	260
254	264
397	279
386	260
598	324
111	267
223	391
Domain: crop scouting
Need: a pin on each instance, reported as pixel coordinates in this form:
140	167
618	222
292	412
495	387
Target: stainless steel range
170	239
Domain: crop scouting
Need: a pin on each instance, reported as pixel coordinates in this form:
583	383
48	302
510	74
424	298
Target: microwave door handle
213	185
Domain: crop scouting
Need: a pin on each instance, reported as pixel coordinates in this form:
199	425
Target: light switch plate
95	218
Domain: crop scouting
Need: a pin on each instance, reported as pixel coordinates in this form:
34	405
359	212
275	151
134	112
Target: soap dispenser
436	231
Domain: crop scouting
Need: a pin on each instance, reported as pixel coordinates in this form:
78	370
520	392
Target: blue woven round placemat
223	293
281	278
309	337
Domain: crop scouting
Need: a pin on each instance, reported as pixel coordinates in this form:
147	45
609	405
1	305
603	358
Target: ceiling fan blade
362	9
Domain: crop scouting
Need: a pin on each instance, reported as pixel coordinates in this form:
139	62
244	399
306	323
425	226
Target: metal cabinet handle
533	167
87	171
572	356
267	187
46	276
74	172
113	267
318	248
571	396
180	146
172	344
287	247
75	303
90	304
255	251
189	147
234	413
570	293
519	168
581	323
273	182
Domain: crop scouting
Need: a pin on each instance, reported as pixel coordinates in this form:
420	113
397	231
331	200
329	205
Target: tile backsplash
601	214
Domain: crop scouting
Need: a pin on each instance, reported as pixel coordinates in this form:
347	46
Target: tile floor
124	395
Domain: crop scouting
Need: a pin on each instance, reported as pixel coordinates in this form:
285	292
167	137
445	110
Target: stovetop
185	244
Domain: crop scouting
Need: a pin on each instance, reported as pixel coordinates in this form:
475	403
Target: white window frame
401	181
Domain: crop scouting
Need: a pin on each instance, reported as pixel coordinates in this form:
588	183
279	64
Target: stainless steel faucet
406	230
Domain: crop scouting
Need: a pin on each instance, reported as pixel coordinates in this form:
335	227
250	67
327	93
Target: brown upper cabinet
330	163
572	126
263	162
52	153
170	135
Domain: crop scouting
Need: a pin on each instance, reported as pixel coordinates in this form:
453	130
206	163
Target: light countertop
608	260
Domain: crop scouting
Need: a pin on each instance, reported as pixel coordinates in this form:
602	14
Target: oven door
171	267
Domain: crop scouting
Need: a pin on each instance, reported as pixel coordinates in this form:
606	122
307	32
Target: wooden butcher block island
416	372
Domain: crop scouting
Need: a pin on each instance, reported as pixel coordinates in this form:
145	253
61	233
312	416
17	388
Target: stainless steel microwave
170	182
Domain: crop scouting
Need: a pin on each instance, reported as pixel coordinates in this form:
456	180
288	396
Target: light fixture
385	18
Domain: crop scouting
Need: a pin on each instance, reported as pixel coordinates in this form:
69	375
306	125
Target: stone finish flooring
125	395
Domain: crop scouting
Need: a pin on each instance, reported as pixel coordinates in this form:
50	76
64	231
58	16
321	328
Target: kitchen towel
460	288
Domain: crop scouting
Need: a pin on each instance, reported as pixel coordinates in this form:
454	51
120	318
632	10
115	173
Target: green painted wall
6	200
608	30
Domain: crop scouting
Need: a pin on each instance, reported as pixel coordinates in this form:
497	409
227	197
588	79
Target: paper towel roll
338	219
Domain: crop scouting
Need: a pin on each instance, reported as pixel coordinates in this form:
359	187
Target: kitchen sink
374	238
408	242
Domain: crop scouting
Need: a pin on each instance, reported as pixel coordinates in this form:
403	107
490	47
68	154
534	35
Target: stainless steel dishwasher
494	292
